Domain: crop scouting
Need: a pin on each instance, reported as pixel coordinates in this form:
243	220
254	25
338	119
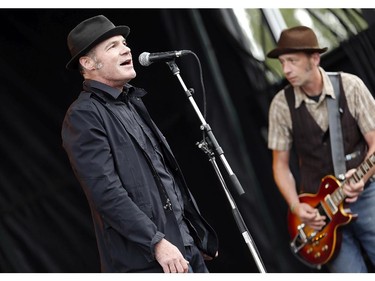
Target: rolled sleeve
279	129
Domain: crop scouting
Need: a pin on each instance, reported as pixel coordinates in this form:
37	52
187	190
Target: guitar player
298	120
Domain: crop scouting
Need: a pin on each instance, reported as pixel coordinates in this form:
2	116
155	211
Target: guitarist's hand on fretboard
351	187
309	216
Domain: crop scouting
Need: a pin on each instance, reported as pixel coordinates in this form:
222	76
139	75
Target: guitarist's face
300	68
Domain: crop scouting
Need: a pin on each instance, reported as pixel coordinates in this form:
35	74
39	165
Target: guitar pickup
331	204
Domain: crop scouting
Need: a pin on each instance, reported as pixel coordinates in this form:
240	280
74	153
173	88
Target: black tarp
45	224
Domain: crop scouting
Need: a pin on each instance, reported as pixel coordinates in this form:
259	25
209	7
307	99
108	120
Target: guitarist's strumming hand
351	188
309	216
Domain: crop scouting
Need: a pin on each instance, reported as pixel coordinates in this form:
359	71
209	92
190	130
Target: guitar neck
361	171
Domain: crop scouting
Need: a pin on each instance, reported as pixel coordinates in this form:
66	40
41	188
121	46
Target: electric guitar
316	248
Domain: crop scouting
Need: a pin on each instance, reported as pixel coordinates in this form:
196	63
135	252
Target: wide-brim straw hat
89	33
296	39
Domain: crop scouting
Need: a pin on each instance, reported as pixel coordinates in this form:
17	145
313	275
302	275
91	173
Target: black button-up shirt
146	139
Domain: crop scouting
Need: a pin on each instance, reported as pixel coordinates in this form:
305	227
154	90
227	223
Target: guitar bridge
301	238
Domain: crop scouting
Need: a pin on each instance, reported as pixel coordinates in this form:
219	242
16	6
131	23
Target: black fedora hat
89	33
296	39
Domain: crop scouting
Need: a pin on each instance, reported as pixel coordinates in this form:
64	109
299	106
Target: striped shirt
361	105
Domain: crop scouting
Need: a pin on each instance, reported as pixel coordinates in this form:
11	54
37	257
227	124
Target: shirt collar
96	85
99	88
326	91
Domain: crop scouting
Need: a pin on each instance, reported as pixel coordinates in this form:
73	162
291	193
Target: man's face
113	64
297	67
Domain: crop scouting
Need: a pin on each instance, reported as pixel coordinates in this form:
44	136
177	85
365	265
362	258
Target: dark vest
312	144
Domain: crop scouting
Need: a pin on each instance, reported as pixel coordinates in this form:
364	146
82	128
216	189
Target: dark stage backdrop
45	223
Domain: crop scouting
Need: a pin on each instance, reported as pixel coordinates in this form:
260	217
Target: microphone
145	59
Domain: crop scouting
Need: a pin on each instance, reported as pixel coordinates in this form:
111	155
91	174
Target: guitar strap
335	132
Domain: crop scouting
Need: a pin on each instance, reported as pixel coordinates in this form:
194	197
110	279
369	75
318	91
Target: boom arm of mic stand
218	150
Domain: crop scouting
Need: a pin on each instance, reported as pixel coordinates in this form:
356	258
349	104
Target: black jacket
121	185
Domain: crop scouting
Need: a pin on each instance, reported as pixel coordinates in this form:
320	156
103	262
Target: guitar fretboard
338	195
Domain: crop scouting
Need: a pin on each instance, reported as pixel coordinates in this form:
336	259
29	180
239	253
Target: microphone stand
206	147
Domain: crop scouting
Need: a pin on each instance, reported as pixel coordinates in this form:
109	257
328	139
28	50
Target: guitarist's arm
286	183
353	189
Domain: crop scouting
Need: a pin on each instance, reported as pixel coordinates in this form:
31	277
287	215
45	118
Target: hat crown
296	39
300	37
87	31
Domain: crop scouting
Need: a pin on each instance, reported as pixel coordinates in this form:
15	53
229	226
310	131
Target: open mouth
127	62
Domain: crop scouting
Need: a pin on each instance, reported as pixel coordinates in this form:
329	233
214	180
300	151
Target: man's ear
316	57
87	63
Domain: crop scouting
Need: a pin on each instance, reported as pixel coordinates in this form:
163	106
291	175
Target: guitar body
317	248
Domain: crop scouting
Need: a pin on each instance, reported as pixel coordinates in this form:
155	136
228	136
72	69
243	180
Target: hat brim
275	53
119	30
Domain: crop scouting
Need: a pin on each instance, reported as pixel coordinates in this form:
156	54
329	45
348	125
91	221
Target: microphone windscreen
144	59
